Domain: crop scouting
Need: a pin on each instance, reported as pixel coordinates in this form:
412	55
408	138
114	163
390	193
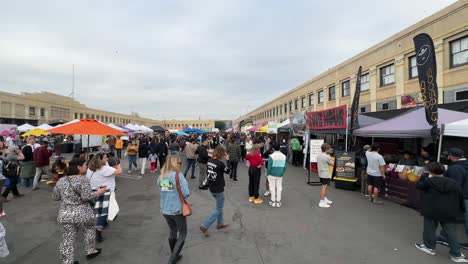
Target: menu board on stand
345	172
345	164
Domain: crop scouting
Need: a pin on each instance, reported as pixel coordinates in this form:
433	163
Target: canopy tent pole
442	127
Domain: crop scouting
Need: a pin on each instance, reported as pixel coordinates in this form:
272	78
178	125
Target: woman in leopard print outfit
74	192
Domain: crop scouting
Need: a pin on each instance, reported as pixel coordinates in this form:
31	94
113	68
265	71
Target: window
303	103
290	106
42	112
59	113
345	89
385	106
413	68
331	93
320	96
81	115
296	104
285	108
311	99
277	110
459	52
76	115
387	75
365	82
281	110
32	111
461	95
363	109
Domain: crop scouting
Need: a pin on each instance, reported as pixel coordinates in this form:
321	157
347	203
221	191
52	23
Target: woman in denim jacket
171	206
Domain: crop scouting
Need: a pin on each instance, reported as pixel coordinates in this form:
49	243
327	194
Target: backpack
9	169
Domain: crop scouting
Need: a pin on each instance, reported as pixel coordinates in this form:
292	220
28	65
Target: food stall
412	126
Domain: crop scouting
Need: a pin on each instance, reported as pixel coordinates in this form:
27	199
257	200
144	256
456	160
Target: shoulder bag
186	209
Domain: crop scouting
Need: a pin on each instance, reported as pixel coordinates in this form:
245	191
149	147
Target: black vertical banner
355	106
427	74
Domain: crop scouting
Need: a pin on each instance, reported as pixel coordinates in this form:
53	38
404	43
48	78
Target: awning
411	124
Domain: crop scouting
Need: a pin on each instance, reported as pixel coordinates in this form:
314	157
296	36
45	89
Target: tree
221	125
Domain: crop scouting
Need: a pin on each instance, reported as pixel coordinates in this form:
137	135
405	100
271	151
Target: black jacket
143	150
161	149
458	171
202	152
442	199
216	171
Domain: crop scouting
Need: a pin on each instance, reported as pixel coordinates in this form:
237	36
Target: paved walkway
351	231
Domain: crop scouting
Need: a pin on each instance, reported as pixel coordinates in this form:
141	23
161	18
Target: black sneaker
442	241
464	245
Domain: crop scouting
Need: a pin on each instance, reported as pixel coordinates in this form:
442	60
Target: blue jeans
190	163
26	182
466	217
218	211
132	160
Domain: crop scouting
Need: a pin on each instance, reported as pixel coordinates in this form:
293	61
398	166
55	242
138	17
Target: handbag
186	209
91	202
113	207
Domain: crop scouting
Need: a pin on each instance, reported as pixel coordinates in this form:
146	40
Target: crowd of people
84	185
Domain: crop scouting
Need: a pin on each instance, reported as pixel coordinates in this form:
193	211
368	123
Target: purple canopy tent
411	124
127	129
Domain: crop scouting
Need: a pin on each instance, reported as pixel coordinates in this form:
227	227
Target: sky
207	59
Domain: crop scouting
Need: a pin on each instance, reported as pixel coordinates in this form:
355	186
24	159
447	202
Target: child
275	172
57	171
442	204
152	158
323	161
3	246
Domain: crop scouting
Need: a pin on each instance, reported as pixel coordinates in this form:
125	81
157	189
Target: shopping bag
113	207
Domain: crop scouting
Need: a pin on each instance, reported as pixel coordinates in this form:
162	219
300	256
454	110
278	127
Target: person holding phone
74	192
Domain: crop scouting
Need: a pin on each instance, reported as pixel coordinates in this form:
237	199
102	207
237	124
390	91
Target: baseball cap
456	152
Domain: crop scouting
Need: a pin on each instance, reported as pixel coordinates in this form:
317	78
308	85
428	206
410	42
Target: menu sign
345	164
333	118
315	149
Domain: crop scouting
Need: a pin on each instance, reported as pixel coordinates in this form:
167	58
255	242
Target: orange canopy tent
85	127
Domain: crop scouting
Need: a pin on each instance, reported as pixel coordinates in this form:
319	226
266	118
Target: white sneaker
278	204
328	201
324	204
460	259
427	250
129	171
267	193
273	204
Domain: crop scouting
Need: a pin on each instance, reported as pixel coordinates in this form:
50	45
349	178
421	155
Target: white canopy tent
147	129
455	129
24	128
45	126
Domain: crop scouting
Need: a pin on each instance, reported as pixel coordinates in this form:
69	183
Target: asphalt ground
351	231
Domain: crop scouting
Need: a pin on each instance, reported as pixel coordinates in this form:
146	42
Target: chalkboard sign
345	164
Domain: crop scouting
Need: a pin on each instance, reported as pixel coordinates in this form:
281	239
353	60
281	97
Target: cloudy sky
188	59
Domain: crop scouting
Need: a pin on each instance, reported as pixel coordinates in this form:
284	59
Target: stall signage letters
334	118
345	164
315	148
